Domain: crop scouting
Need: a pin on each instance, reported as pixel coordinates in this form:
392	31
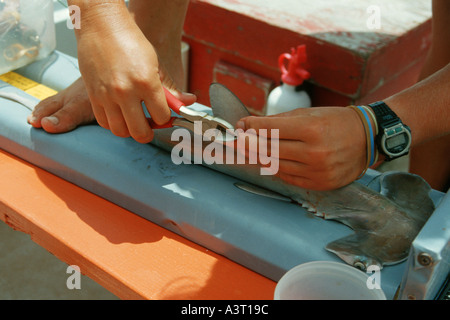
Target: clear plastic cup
325	280
27	32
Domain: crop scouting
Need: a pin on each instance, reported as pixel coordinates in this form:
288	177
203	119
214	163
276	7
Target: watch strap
385	116
388	124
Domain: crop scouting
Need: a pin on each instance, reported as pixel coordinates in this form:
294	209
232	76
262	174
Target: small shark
384	223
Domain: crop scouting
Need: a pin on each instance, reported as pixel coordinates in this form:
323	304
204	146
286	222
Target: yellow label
31	87
41	92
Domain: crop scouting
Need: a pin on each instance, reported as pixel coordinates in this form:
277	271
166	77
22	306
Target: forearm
439	54
161	21
162	24
425	107
101	17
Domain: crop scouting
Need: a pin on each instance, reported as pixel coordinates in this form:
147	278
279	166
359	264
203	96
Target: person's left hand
320	148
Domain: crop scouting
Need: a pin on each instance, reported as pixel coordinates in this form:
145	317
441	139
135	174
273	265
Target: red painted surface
232	47
396	58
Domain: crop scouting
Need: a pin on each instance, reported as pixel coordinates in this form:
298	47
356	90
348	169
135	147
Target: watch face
396	141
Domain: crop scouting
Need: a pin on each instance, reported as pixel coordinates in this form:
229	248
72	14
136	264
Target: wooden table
131	257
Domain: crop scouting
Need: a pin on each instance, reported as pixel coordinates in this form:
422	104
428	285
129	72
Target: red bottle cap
295	74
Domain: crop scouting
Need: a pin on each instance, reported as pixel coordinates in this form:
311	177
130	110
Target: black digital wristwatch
394	137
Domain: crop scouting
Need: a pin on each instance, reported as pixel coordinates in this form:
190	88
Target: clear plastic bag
27	32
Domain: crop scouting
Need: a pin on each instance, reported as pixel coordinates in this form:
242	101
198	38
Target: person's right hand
120	69
320	148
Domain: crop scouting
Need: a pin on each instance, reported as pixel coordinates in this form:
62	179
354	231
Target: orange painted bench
131	257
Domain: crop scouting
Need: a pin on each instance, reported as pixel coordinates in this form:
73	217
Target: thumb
185	97
261	122
288	127
274	121
168	82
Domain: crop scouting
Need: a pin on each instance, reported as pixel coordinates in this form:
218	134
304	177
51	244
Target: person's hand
121	69
320	148
72	107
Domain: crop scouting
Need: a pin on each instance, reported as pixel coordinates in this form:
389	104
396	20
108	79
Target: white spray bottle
289	95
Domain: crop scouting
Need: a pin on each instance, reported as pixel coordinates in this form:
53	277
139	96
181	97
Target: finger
288	127
68	117
116	121
294	168
284	149
313	178
100	116
250	144
186	97
137	123
156	104
265	124
299	181
307	183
